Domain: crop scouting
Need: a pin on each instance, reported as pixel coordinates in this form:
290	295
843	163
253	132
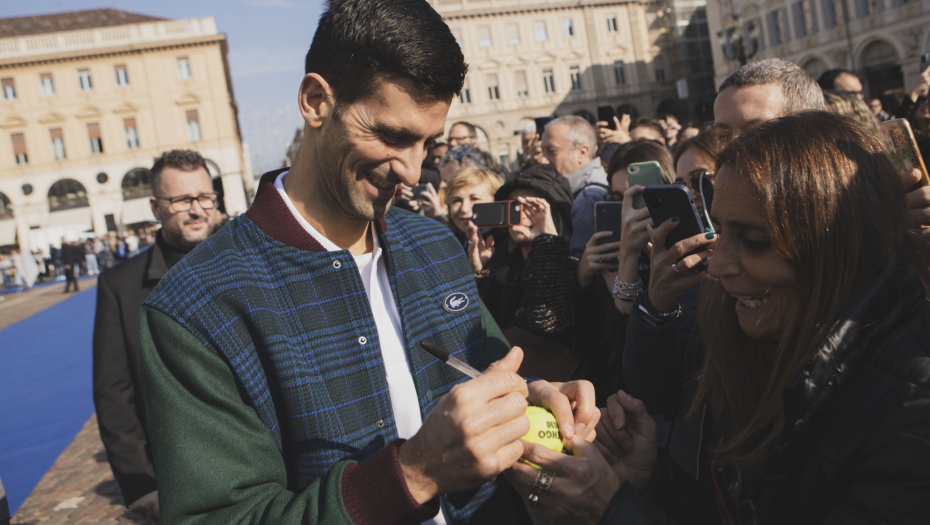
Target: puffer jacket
856	445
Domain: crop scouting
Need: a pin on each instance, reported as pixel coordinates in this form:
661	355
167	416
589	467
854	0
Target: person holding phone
464	189
528	279
818	355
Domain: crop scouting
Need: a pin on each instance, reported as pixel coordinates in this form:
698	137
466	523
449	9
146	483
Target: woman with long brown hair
816	378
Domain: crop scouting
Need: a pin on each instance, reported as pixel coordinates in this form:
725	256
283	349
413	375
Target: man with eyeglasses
463	133
876	106
184	202
841	80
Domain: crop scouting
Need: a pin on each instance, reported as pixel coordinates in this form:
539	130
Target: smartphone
541	124
419	189
644	174
500	214
607	114
903	148
608	218
665	202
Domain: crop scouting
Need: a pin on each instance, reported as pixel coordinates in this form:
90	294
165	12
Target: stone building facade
88	100
536	58
880	40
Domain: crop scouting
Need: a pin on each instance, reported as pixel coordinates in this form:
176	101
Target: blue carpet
45	390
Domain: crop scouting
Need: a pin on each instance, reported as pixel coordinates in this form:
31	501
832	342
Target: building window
620	73
513	35
122	76
484	37
522	87
549	80
67	193
575	73
493	90
775	28
862	8
539	31
193	125
611	24
503	157
800	24
660	73
829	14
184	68
19	148
84	83
96	143
46	85
58	144
567	30
132	133
465	94
9	89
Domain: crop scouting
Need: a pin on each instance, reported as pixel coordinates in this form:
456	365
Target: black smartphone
608	218
500	214
607	114
665	202
419	189
541	124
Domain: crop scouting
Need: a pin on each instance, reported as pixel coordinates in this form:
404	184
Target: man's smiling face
376	143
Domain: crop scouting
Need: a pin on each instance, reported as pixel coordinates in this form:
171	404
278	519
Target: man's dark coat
117	378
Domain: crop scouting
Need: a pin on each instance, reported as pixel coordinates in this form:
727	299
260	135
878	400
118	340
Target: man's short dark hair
646	122
472	130
800	90
828	78
179	159
356	40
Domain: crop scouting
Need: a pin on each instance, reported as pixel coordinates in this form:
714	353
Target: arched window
878	54
136	184
587	115
67	193
6	208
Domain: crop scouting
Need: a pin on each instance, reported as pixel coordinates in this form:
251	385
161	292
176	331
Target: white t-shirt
373	273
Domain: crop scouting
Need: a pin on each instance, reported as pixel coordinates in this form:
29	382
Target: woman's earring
316	123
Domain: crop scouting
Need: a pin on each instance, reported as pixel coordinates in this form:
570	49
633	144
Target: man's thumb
582	449
510	362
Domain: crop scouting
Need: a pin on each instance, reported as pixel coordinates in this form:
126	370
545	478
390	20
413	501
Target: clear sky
267	43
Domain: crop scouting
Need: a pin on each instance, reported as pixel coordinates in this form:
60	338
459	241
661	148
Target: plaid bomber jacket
294	324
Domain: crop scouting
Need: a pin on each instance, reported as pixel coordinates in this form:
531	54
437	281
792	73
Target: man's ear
315	100
153	203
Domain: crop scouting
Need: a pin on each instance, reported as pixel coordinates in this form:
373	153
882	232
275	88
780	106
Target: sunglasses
460	153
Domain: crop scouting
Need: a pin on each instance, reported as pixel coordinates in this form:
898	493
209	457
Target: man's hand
581	489
471	435
920	87
571	403
146	505
626	437
621	135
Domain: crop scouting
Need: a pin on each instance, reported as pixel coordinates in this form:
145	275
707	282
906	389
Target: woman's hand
429	202
598	258
633	236
537	219
582	487
626	437
479	251
621	135
668	285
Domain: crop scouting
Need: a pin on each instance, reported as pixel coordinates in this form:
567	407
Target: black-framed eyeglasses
460	153
206	201
853	93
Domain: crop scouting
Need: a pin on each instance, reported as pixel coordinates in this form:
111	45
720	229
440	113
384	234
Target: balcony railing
105	37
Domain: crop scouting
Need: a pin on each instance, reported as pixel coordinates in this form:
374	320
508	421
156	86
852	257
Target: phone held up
607	114
608	218
499	214
903	148
419	189
643	174
665	202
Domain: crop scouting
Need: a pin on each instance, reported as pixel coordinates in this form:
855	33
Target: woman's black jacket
856	445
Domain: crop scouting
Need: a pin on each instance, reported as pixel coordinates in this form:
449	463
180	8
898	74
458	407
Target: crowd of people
772	367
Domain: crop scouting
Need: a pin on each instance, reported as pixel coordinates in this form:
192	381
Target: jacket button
429	395
337	264
362	340
380	423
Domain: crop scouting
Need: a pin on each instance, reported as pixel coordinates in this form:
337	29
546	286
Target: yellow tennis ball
544	430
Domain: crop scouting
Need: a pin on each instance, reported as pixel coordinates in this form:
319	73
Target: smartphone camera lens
633	169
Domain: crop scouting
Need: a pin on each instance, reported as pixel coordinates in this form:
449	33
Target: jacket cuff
375	491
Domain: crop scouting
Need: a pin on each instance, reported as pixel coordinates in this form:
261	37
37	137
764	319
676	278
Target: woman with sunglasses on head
817	368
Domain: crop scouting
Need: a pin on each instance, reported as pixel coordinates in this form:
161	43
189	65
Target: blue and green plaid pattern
297	330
